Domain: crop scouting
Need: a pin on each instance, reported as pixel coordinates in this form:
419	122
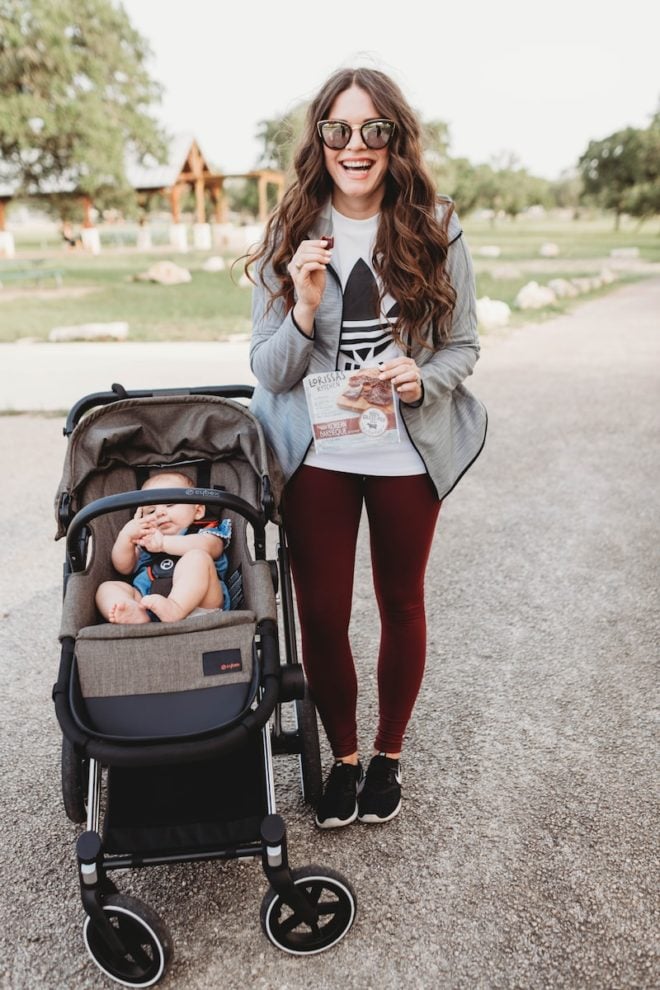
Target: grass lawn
212	306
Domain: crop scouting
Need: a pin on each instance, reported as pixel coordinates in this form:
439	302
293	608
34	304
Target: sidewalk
525	854
51	377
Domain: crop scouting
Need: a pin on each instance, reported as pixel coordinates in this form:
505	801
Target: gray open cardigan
448	428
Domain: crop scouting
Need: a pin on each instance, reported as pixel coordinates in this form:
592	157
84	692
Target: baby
163	540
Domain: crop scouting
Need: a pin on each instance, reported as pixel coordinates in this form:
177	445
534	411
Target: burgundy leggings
322	512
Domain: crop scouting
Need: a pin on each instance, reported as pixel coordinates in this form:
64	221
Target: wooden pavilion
186	167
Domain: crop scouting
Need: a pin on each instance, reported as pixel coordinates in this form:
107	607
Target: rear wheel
310	750
74	783
333	897
146	939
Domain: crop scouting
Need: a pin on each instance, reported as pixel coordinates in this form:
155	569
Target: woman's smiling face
358	172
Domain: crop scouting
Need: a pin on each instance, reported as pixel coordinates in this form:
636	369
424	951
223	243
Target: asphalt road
526	852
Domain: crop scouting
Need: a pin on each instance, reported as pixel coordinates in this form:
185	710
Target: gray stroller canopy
164	430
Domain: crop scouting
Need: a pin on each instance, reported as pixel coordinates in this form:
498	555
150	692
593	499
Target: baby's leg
195	584
120	602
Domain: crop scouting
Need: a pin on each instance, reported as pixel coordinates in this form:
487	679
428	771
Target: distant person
362	263
70	239
163	542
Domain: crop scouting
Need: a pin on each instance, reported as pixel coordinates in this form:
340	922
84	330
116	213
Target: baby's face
173	517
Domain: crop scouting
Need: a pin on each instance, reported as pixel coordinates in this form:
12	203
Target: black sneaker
380	796
338	806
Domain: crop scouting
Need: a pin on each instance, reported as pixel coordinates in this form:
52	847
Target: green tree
611	167
75	98
566	191
643	199
279	137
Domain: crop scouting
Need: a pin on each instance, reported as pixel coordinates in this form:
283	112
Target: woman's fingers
310	256
404	375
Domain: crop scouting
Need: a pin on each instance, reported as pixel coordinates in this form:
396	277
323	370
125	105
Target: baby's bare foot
166	609
128	613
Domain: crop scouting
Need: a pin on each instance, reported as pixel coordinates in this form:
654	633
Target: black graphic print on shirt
364	333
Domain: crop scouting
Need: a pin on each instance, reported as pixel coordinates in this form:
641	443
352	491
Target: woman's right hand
307	269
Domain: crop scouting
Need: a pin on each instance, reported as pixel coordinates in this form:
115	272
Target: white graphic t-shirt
366	339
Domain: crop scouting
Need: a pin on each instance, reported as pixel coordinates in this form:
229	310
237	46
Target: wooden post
219	202
200	205
175	203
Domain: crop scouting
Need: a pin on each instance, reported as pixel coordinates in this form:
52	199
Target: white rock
583	283
492	313
562	288
549	250
607	276
214	264
534	296
489	251
625	252
166	273
90	331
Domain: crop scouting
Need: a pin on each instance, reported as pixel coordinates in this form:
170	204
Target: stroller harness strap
161	565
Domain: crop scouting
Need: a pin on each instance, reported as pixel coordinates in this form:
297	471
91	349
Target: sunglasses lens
377	133
335	133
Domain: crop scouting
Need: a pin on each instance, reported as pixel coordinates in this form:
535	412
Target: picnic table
36	273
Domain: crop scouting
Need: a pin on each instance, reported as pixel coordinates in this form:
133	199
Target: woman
362	265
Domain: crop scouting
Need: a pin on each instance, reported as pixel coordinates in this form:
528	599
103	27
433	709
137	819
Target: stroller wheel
310	750
146	938
335	901
74	783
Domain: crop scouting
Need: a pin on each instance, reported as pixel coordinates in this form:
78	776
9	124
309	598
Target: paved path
38	376
526	853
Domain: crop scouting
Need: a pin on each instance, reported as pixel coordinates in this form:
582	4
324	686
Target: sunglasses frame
372	120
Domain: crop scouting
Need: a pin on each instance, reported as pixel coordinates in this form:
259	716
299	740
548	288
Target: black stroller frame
159	807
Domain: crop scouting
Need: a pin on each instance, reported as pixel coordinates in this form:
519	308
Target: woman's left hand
405	376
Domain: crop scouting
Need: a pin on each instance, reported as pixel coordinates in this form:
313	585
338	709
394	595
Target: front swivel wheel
332	896
147	942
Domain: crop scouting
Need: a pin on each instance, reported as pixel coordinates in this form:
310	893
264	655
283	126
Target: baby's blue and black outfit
153	571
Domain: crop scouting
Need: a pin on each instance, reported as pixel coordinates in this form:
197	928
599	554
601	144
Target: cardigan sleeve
453	362
279	350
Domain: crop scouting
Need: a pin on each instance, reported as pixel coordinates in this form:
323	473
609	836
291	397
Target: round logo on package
373	422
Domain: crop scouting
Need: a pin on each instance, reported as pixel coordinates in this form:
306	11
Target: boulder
165	273
549	250
90	331
492	313
534	296
214	264
562	288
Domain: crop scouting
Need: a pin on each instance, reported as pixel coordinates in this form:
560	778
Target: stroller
169	729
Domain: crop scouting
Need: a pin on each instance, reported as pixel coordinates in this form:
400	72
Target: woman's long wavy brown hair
410	252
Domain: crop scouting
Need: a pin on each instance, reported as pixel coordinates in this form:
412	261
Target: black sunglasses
375	133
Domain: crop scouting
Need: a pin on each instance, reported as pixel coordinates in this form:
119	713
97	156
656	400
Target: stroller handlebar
118	392
75	542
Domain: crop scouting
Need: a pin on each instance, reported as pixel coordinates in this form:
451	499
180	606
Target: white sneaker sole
337	822
375	820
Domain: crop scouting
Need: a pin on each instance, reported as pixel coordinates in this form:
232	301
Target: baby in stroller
177	561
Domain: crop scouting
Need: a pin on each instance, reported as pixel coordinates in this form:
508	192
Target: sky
536	80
